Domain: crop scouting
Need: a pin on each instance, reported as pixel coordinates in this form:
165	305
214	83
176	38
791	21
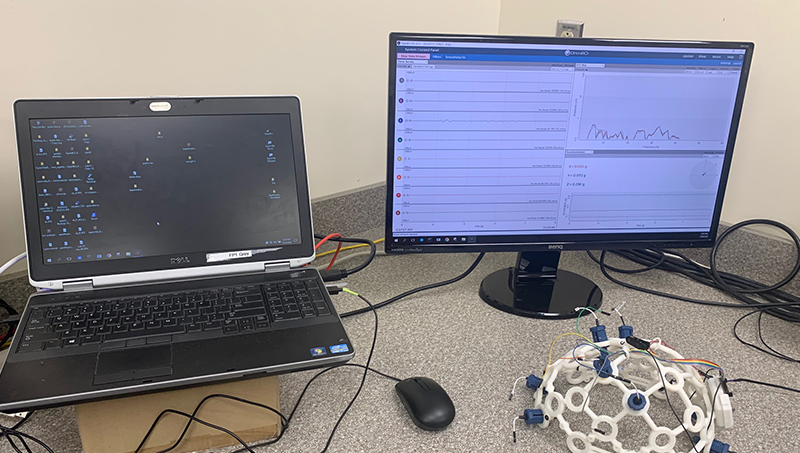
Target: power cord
366	369
766	384
8	432
330	275
417	290
13	261
285	421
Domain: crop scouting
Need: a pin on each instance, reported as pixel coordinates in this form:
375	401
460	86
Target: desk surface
476	352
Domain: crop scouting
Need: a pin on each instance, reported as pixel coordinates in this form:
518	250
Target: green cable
578	320
350	291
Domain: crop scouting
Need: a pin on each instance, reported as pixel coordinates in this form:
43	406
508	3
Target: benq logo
555	247
582	53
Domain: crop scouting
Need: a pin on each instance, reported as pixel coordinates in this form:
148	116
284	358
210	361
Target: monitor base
545	297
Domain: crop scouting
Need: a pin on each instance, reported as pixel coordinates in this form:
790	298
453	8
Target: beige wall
763	180
316	49
333	54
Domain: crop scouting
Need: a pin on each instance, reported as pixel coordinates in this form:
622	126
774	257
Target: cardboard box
119	425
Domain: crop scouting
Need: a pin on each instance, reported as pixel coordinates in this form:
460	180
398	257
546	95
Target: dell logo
179	260
160	106
555	247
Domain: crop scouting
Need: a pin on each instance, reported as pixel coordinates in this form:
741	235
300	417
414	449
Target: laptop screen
111	187
116	188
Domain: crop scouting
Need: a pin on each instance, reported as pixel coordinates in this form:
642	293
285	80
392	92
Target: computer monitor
540	145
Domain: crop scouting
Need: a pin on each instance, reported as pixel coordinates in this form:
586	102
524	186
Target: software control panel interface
510	139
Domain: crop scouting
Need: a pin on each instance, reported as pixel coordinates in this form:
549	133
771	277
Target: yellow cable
349	247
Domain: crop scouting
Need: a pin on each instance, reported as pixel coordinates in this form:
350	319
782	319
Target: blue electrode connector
625	331
532	416
603	365
533	382
636	401
599	333
716	446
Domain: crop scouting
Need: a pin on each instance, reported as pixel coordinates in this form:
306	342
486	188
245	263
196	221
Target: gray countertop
476	352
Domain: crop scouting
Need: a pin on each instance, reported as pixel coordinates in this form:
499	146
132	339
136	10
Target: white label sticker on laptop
228	256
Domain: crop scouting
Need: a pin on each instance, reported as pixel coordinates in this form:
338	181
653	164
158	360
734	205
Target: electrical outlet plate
569	29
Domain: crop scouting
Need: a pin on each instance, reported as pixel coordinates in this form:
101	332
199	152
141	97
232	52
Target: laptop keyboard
164	318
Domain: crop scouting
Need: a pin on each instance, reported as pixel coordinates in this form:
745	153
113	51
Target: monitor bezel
152	267
581	241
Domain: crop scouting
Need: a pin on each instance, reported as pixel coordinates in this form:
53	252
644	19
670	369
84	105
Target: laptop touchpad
133	364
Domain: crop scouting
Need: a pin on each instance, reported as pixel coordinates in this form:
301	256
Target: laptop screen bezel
26	110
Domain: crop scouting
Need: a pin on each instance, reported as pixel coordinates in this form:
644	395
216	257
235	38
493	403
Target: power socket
569	29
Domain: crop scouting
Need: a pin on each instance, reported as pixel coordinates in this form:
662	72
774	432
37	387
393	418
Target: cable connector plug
333	275
638	343
335	288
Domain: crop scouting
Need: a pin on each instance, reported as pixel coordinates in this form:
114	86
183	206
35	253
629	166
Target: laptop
170	238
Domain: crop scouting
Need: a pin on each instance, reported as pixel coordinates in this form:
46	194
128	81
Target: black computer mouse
426	402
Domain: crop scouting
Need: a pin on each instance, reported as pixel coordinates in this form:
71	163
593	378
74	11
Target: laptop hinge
277	267
80	285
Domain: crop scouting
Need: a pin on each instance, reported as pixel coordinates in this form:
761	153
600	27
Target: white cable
589	309
689	260
514	388
13	261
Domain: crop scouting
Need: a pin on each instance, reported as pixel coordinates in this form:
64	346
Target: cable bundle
762	298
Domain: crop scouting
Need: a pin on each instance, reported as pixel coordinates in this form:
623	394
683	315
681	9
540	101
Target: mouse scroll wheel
422	384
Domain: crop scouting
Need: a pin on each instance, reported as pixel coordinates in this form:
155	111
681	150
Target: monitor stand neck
537	288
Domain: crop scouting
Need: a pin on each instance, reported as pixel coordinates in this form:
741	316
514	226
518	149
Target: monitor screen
514	143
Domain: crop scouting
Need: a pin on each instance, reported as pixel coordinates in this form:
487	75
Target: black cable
15	427
11	310
765	288
666	395
24	444
284	421
767	384
13	432
302	394
604	270
13	445
363	378
210	425
764	342
416	290
379	373
735	283
24	419
631	271
345	272
714	403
